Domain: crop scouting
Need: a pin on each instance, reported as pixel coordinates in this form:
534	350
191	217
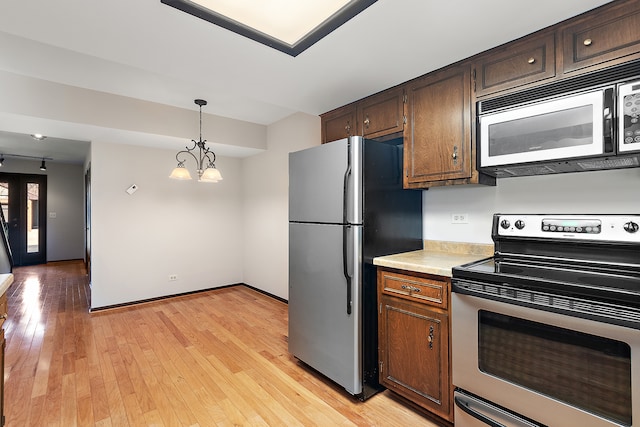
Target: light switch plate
132	189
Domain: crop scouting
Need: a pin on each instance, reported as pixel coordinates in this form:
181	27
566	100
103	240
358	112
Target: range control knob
505	224
631	227
519	224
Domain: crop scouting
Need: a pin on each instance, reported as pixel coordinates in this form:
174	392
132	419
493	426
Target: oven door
563	128
542	367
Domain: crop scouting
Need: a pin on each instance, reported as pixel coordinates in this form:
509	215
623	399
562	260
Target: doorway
23	199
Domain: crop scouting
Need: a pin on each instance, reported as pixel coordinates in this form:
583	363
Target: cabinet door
515	64
339	123
414	354
382	114
605	37
437	136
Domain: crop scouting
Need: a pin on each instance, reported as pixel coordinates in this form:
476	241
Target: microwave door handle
609	105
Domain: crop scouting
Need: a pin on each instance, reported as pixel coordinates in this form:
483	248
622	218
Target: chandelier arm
208	154
187	151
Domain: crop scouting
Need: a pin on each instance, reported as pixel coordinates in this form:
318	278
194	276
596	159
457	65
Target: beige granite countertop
5	281
437	257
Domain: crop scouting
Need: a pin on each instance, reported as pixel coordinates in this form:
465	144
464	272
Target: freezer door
322	332
323	179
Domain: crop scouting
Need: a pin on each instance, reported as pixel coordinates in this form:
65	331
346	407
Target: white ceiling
146	50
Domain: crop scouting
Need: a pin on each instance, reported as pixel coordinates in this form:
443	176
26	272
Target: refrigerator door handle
345	187
345	264
346	228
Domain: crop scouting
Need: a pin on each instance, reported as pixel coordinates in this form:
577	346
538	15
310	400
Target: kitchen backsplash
464	213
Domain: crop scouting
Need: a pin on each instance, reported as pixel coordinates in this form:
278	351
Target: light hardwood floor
216	358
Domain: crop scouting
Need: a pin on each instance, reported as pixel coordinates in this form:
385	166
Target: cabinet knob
454	156
366	121
531	60
347	128
587	42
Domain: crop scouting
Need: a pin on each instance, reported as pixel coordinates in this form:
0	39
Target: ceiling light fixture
38	136
289	26
205	161
43	167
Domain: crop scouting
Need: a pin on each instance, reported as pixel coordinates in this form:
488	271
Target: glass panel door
33	217
23	203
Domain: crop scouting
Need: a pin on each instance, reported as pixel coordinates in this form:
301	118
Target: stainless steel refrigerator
346	206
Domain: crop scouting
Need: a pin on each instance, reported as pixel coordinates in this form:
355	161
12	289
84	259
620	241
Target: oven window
585	371
558	129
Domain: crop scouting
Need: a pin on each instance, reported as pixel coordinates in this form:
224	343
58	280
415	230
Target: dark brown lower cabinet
414	344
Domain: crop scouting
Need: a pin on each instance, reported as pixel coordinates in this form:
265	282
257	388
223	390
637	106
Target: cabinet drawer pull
410	288
587	42
531	60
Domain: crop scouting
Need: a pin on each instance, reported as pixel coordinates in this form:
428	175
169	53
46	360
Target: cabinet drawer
612	34
516	64
430	291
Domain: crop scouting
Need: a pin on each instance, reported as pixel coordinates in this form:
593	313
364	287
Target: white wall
584	192
186	228
65	197
266	205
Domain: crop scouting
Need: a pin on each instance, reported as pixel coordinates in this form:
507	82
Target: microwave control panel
629	116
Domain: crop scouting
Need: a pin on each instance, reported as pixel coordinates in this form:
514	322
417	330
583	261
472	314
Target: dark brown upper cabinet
529	60
437	138
339	123
382	114
608	36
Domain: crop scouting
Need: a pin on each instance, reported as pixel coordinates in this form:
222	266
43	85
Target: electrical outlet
173	277
459	218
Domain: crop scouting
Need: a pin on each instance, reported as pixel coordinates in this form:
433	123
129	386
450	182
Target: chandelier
205	161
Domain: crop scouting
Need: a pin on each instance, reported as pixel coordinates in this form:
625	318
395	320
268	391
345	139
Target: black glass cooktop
619	283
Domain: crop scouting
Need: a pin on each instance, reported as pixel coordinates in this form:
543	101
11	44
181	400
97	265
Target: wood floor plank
214	358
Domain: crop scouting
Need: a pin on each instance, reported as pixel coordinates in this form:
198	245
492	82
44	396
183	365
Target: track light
43	166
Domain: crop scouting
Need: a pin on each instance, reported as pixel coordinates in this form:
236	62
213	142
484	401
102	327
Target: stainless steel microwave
587	130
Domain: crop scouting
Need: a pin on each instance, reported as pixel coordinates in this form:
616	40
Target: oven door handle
464	405
464	401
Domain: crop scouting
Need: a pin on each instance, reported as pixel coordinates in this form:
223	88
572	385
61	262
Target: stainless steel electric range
547	331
